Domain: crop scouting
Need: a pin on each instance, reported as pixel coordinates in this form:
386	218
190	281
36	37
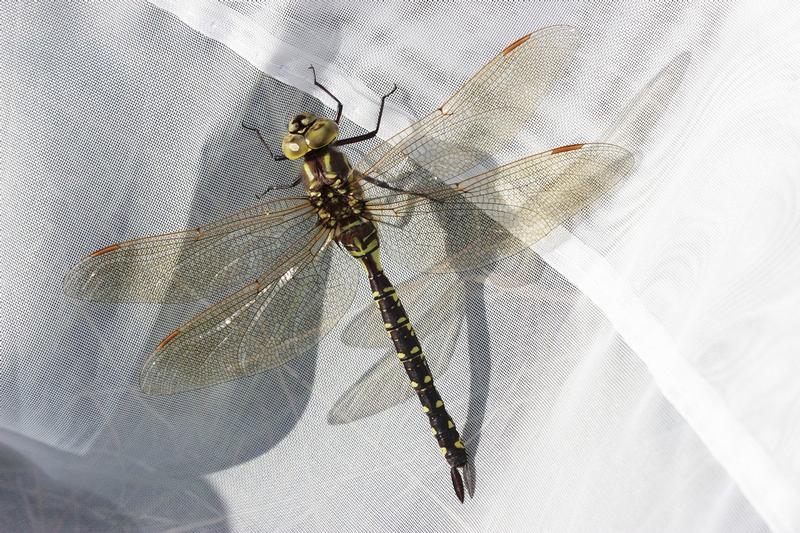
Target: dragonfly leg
373	133
294	184
318	84
258	131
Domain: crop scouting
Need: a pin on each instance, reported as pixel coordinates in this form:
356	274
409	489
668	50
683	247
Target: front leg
294	184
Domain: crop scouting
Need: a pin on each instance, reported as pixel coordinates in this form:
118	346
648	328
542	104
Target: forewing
386	384
263	326
481	118
189	265
496	214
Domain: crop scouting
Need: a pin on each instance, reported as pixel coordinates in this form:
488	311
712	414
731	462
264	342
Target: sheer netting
613	327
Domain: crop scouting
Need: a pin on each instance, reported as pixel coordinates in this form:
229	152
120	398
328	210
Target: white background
645	380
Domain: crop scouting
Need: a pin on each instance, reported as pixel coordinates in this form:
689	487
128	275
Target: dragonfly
428	200
440	303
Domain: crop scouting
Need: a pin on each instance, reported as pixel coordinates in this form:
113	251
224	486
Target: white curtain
641	374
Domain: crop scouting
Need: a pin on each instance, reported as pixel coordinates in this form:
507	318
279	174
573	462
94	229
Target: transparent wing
189	265
435	304
265	325
481	118
466	225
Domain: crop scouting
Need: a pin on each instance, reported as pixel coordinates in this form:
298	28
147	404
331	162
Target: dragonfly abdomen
409	352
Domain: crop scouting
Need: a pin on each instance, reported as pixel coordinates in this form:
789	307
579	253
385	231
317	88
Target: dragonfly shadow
138	141
523	268
632	129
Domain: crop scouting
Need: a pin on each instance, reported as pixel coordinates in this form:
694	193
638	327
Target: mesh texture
124	120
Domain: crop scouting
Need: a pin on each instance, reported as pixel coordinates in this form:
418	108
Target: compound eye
322	133
294	146
300	123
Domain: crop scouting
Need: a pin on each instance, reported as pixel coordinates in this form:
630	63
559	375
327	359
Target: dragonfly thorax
326	177
337	207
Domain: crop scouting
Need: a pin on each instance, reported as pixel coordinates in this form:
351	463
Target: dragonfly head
308	132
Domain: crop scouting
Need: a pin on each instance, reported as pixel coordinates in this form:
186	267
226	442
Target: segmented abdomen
410	354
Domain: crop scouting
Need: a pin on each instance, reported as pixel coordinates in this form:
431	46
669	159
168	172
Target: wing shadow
631	130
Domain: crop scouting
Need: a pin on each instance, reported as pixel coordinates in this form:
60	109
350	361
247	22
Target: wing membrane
496	214
189	265
482	117
263	326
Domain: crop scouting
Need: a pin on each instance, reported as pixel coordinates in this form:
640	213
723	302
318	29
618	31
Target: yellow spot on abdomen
428	378
458	444
439	403
414	350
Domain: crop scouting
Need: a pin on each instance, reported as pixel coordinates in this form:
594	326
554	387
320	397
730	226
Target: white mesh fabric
644	379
